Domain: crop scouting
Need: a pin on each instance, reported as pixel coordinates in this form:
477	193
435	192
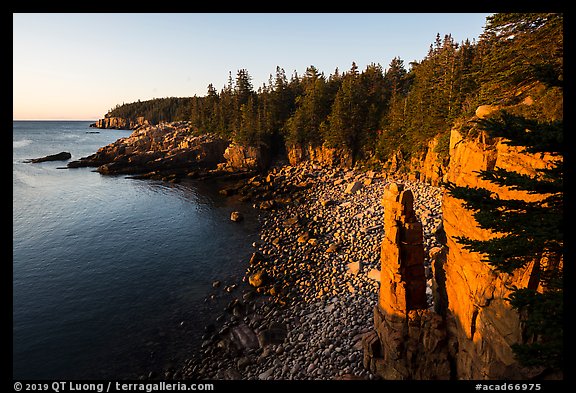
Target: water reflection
106	268
200	193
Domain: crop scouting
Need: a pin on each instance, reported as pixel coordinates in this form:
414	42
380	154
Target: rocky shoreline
305	304
311	285
306	307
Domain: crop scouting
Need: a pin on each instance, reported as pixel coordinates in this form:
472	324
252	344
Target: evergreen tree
466	79
397	83
311	110
376	101
346	125
515	50
519	49
394	77
243	91
243	88
280	107
249	131
530	232
210	111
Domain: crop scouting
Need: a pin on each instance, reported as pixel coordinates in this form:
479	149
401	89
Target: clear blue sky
78	66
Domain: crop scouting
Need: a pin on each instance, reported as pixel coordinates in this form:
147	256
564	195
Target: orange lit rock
472	328
322	155
121	123
247	157
165	147
484	110
483	323
409	340
402	279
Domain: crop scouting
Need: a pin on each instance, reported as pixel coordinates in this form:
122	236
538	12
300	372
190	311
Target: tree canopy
380	111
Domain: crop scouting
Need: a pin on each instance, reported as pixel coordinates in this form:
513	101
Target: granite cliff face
468	332
121	123
431	168
484	324
325	156
427	166
247	157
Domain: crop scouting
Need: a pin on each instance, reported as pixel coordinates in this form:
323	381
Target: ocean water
110	274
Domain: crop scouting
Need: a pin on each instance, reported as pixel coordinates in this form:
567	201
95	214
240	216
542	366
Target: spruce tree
519	52
520	49
311	110
529	232
346	125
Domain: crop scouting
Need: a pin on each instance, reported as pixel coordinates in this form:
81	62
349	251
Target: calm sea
110	274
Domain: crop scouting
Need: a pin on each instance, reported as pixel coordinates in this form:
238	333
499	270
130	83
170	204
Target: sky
79	66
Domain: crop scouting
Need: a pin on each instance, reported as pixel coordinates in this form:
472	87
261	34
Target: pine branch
523	182
532	135
505	254
544	326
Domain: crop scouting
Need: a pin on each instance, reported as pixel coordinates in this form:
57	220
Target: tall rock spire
409	340
402	279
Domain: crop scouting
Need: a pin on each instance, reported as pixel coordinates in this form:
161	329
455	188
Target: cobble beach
312	282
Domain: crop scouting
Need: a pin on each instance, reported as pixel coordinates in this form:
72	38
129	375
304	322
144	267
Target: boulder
353	267
257	279
374	274
62	156
236	216
332	248
244	362
266	205
244	337
325	202
484	110
351	188
275	334
291	221
256	258
303	238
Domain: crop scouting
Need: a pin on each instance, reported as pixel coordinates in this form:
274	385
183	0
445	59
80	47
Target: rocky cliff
247	157
159	151
427	166
121	123
468	332
323	155
484	324
169	151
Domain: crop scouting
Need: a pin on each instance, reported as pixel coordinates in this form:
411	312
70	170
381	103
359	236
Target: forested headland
378	112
